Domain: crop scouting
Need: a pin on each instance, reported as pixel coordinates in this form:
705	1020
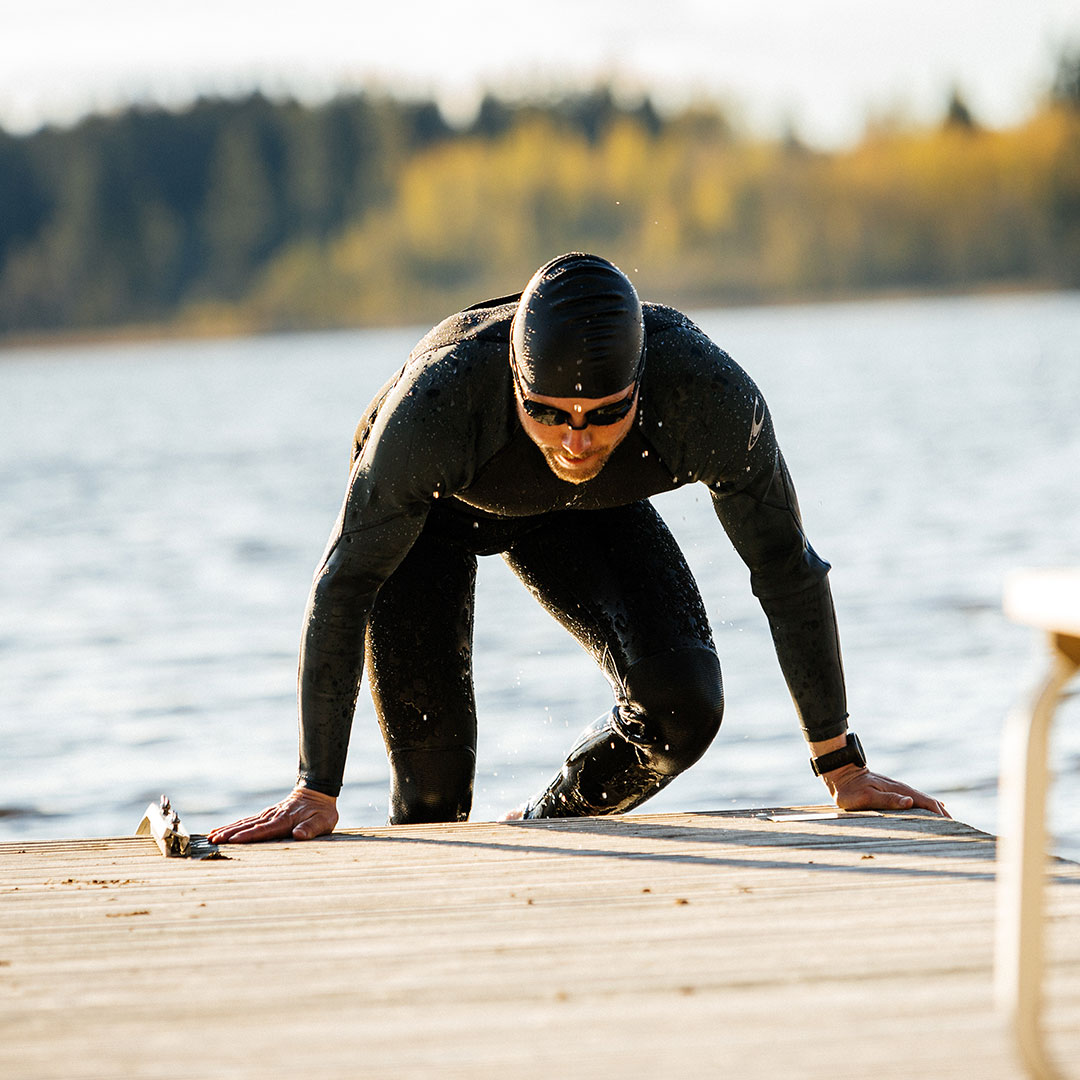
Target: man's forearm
331	666
807	644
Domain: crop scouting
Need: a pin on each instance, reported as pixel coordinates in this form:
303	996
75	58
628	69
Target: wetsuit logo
758	422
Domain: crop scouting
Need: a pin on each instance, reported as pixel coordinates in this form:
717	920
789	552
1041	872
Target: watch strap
849	754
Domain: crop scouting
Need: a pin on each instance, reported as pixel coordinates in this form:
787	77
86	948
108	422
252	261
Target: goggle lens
603	416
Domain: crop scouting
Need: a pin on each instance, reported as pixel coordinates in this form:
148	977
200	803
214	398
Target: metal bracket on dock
162	822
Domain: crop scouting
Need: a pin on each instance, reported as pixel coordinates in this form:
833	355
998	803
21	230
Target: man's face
576	453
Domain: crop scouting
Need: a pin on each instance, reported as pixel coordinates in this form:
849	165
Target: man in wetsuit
537	426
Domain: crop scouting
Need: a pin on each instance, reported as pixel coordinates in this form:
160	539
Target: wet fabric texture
443	472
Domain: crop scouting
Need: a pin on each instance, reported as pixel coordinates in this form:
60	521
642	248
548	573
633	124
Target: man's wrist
308	792
828	758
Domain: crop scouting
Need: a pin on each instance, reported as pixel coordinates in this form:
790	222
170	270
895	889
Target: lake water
164	506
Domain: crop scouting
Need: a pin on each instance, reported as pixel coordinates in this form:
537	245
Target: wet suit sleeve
361	555
403	465
717	430
790	581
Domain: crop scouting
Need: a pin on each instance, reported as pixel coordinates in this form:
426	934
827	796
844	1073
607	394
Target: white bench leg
1019	959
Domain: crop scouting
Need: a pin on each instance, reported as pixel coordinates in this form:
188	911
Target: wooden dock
770	943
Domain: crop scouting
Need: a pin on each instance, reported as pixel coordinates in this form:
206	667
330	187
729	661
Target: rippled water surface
164	505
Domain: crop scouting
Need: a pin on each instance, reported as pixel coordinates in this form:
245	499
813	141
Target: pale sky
820	63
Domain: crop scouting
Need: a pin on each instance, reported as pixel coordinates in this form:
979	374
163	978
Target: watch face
857	755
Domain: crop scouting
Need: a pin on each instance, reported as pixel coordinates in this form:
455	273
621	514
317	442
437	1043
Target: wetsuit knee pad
674	703
433	785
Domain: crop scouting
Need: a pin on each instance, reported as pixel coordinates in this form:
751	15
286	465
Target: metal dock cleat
162	822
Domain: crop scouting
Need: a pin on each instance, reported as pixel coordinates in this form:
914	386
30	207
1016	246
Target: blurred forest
237	215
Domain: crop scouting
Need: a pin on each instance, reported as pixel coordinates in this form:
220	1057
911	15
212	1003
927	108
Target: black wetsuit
443	472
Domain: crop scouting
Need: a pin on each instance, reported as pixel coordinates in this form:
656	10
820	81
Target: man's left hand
855	787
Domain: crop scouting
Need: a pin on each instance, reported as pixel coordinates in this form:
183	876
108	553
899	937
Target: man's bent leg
618	581
670	709
419	665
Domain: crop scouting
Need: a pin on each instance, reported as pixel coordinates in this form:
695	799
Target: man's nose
577	440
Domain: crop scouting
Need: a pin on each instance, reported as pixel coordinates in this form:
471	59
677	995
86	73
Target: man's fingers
922	802
224	833
304	815
244	832
236	832
271	824
865	790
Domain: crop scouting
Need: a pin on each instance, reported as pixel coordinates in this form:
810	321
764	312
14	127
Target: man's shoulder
679	349
674	339
486	323
697	401
660	318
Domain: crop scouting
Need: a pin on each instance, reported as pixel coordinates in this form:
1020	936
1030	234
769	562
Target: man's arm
360	556
420	440
331	666
761	517
791	584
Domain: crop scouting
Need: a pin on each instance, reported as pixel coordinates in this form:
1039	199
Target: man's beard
575	476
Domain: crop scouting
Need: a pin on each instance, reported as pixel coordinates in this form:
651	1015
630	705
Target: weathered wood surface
672	945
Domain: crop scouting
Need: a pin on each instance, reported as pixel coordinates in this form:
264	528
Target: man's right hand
302	815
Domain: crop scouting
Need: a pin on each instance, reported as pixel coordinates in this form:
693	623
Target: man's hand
302	815
855	787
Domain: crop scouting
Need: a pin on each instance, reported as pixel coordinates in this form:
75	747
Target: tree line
253	214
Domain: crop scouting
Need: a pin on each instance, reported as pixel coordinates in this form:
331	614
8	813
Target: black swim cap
578	331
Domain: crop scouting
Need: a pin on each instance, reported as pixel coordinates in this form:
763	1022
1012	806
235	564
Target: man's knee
432	785
674	706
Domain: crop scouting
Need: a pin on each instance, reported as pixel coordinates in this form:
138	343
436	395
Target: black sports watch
851	754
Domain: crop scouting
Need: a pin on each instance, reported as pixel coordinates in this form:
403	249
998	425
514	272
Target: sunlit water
164	505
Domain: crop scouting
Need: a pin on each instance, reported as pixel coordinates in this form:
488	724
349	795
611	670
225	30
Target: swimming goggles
601	416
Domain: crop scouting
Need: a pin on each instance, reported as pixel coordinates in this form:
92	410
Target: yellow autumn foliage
700	217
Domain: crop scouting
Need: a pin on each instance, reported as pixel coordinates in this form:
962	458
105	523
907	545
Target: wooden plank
648	945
